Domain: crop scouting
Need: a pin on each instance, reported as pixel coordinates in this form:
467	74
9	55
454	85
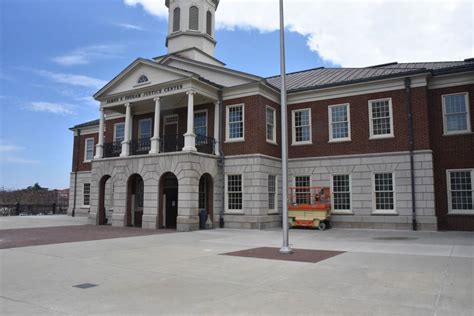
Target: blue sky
55	54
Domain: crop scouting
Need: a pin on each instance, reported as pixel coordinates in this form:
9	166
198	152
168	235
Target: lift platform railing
305	198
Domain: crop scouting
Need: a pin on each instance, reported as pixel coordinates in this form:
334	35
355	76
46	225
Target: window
142	79
209	23
271	130
272	190
381	120
234	192
176	19
86	194
89	154
384	193
194	18
456	114
302	126
302	191
200	123
235	122
341	193
144	129
460	191
339	123
119	132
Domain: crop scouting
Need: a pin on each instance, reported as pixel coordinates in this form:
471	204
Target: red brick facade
78	153
449	152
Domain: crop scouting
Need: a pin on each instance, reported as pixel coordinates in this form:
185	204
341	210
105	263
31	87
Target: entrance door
171	207
170	133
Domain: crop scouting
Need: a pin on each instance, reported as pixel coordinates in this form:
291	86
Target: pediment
141	73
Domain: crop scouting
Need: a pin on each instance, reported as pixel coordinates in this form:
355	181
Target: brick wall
360	130
83	166
449	152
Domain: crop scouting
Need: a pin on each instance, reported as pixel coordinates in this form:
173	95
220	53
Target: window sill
384	212
272	142
381	137
87	161
466	212
302	144
342	140
236	140
458	133
344	212
231	212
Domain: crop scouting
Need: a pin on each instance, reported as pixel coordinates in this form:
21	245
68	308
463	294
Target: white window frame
468	115
448	187
151	127
115	130
331	136
226	197
333	210
375	211
274	140
274	210
293	128
294	185
84	205
207	121
227	135
85	149
371	126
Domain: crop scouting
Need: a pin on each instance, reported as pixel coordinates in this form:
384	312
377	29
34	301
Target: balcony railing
205	144
171	143
140	146
112	149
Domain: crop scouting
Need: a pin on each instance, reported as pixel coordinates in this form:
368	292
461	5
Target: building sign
139	95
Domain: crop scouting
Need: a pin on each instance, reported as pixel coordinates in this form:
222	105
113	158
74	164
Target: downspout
411	145
221	162
78	151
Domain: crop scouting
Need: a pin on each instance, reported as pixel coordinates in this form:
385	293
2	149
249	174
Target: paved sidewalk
382	273
12	222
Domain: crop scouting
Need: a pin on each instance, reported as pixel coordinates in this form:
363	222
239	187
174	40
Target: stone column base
187	223
149	221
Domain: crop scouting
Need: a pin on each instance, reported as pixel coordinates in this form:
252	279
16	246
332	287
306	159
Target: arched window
209	23
194	18
142	79
176	19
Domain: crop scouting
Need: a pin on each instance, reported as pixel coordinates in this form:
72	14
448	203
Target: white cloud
4	148
357	32
72	79
130	27
85	55
55	108
18	160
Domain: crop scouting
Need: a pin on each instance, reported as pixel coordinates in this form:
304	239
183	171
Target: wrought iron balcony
112	149
140	146
205	144
171	143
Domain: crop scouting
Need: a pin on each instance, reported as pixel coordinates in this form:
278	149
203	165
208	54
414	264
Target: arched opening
134	201
168	212
194	18
176	19
206	195
103	190
209	23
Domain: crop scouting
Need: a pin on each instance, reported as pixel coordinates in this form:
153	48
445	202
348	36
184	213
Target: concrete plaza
381	273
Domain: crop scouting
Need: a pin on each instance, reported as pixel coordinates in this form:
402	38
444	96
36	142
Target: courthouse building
182	132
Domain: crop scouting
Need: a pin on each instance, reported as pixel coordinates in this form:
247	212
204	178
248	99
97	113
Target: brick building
182	132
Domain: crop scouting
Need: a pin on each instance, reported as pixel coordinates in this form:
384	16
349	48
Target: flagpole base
286	250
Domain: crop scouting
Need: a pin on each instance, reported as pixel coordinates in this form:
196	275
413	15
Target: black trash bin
202	219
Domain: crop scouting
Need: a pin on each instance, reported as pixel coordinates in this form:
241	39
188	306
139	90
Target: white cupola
191	25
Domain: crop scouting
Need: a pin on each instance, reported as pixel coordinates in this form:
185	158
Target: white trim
226	195
151	127
239	139
274	140
274	210
90	190
468	114
207	121
115	131
85	149
451	80
333	210
375	211
293	128
371	128
448	185
344	139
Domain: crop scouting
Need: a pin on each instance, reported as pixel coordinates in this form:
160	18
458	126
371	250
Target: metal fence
31	209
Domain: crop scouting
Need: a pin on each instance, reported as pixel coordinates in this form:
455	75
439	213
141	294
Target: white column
190	137
217	110
155	140
128	126
99	148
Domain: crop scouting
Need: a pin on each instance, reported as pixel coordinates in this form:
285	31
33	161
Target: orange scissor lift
309	207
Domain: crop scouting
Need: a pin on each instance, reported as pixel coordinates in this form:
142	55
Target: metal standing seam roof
86	124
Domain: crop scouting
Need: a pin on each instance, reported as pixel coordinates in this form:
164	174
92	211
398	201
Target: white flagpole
285	248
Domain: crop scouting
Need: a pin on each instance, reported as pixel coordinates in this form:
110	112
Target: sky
55	54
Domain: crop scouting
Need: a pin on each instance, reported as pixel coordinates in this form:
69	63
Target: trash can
202	219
